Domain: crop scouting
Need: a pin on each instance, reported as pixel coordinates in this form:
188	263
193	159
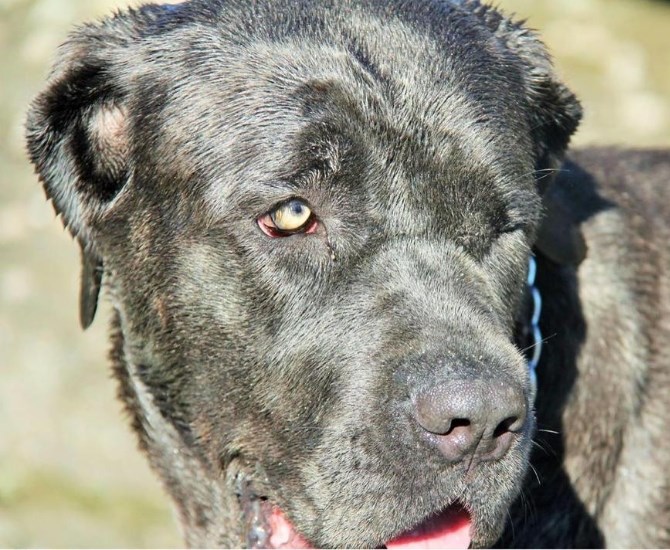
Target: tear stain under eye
331	247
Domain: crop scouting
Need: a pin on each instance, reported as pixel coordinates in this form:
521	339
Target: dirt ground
70	474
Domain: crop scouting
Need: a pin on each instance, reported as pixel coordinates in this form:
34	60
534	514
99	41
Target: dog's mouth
268	527
451	528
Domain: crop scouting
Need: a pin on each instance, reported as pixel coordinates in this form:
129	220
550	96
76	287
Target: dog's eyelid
513	227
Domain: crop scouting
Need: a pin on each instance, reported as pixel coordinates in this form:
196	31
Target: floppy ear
555	113
554	110
559	237
77	135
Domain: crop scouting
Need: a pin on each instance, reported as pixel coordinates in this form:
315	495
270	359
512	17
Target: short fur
425	136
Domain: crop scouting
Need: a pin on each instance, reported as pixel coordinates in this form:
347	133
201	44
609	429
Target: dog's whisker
545	339
544	172
529	508
547	431
549	170
537	476
510	519
539	446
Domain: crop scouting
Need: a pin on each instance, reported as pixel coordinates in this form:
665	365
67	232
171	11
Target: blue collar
534	326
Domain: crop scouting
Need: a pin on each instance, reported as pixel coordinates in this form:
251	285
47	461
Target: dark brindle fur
327	372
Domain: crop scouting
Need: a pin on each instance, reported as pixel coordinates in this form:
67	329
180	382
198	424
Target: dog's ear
554	113
559	236
77	135
554	110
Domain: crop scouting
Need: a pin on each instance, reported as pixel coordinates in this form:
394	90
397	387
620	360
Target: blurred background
70	473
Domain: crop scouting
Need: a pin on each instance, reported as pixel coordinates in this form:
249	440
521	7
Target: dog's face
314	223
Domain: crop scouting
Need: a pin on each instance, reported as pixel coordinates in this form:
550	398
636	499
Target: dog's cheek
245	394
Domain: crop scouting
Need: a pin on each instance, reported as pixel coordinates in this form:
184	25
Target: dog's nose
472	418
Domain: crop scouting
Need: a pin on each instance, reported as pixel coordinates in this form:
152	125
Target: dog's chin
268	527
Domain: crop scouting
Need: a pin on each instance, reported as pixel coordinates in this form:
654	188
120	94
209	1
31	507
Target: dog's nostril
510	424
457	423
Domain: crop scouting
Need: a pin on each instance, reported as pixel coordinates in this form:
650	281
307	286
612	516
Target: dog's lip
282	532
450	528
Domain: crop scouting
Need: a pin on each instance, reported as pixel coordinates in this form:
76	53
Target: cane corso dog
342	240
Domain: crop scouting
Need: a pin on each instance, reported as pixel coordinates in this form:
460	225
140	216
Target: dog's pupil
296	208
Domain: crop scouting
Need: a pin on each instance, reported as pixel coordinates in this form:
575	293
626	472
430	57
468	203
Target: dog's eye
288	218
291	216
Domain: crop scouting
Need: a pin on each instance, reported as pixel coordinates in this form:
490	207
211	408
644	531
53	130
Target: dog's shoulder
620	200
636	181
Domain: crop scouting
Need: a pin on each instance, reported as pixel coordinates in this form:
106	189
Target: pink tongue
450	529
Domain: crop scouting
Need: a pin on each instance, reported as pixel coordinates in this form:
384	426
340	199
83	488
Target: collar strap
534	326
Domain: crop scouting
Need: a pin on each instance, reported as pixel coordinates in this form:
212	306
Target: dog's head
314	222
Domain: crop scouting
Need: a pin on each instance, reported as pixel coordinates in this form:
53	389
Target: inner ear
101	144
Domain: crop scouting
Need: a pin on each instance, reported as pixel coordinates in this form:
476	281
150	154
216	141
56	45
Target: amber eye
288	218
291	216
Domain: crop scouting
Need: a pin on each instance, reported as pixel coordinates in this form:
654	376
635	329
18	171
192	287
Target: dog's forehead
257	113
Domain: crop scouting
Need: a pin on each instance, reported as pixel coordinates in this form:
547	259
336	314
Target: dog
362	296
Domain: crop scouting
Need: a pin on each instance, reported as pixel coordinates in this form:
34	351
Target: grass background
70	474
